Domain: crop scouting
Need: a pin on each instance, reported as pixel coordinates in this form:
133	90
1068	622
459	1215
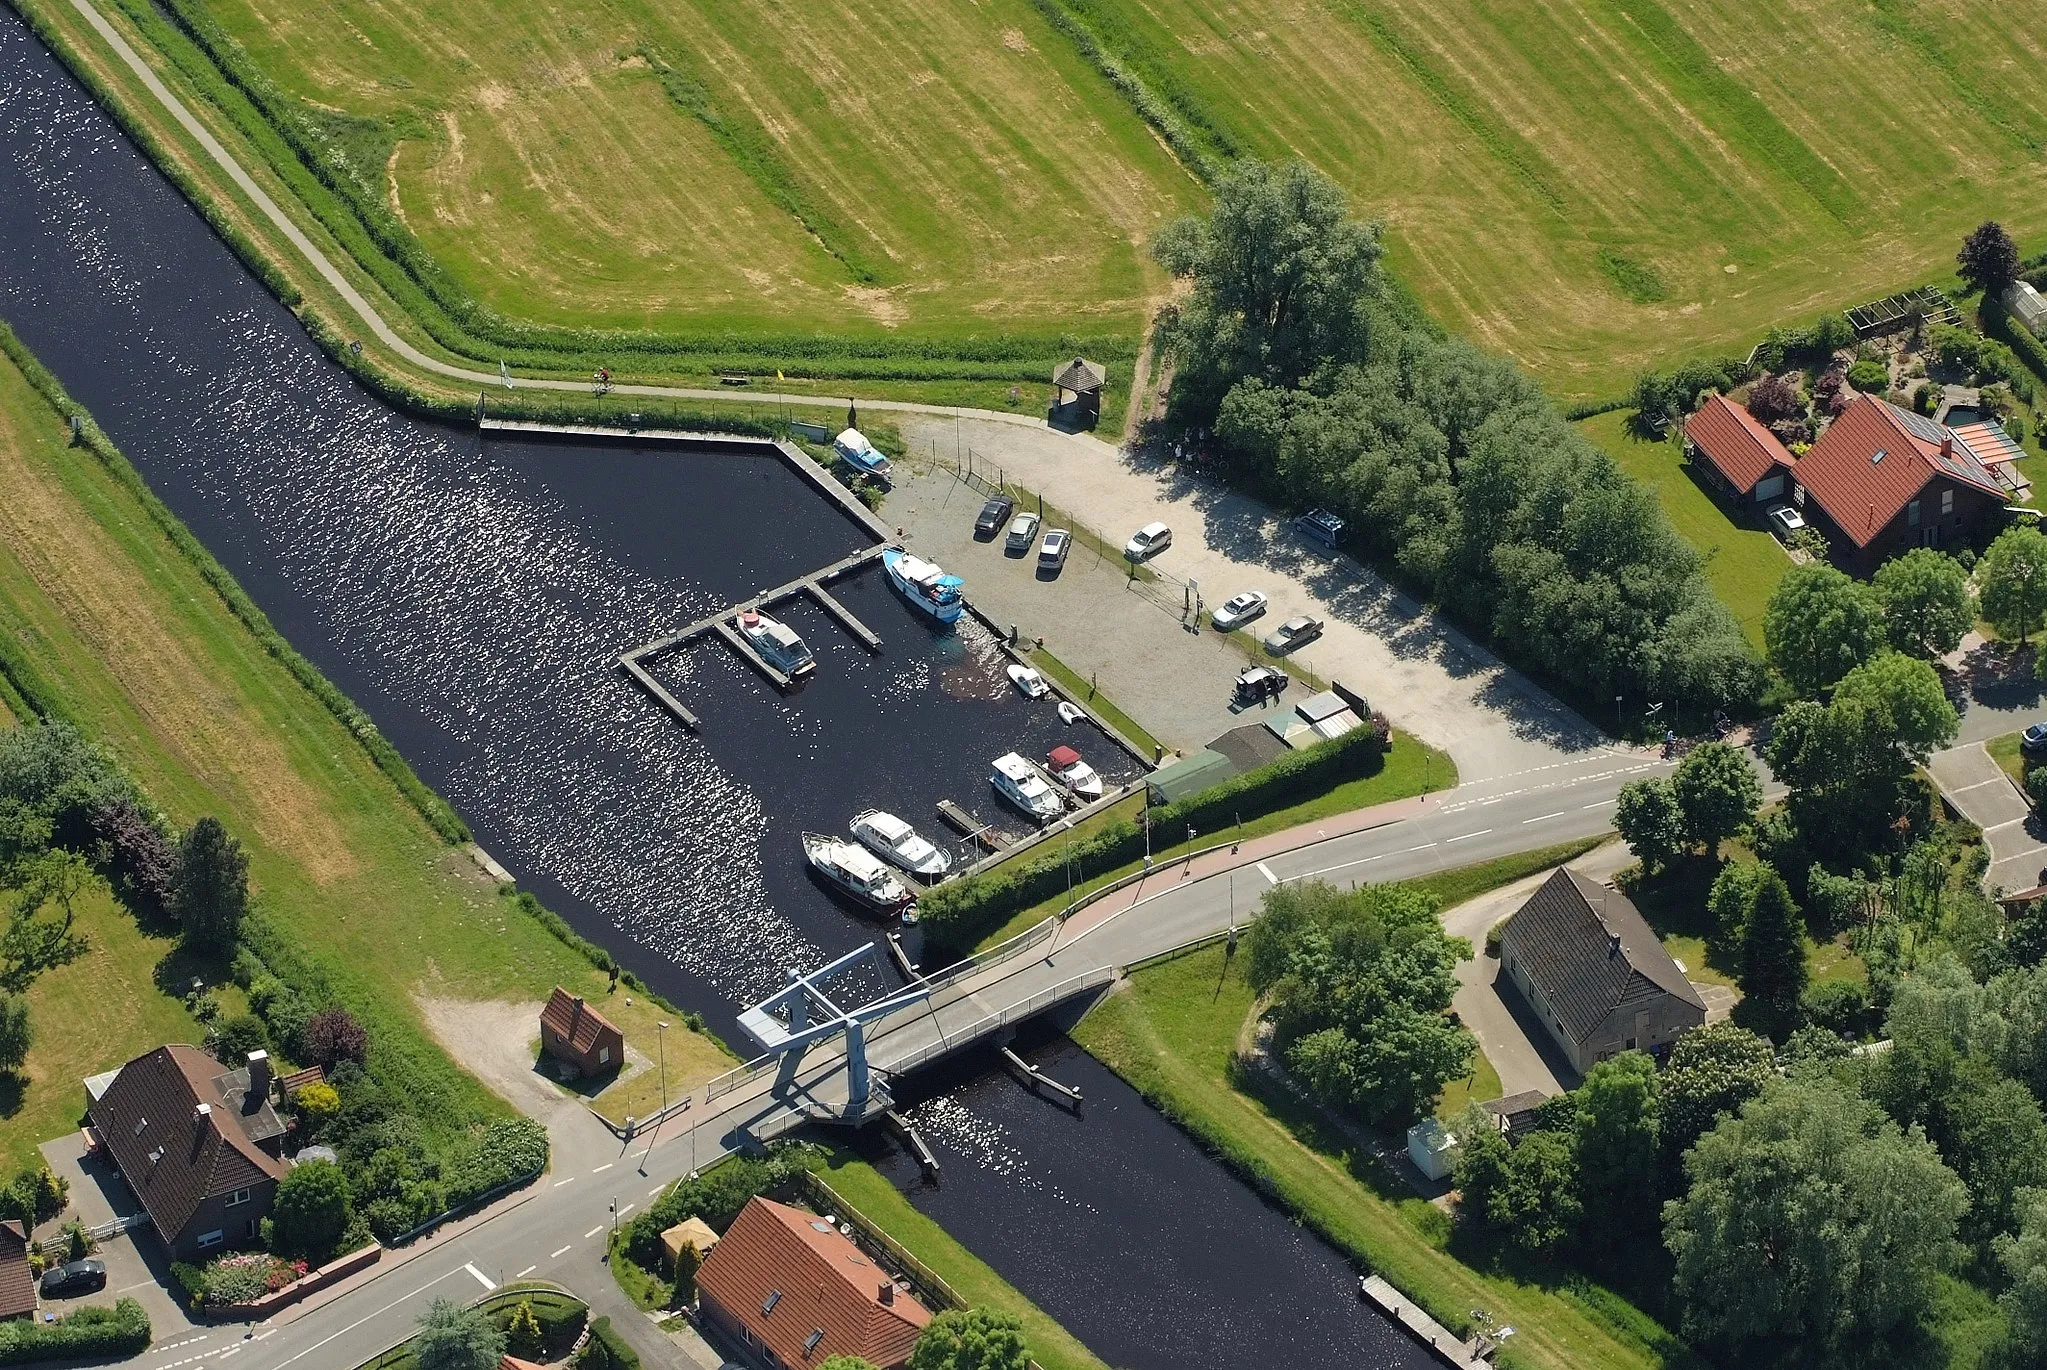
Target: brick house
790	1290
579	1036
1734	451
200	1145
17	1284
1882	480
1589	965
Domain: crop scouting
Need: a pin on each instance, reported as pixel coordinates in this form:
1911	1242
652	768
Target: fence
987	1023
51	1246
740	1075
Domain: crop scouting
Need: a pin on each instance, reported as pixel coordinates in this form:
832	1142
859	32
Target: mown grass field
148	660
1743	563
1594	186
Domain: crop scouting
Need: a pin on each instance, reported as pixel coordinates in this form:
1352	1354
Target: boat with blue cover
853	448
940	596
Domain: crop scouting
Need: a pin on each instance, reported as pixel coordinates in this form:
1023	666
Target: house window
240	1196
255	1229
213	1238
1947	502
1912	513
604	1056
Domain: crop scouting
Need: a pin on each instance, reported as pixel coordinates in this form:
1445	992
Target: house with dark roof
200	1145
17	1284
1589	965
790	1290
1883	480
1734	451
578	1036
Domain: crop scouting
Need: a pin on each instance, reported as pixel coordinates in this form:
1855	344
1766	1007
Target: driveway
1981	792
1425	674
138	1267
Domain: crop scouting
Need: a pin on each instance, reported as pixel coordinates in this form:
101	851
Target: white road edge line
1601	804
481	1278
593	1232
602	1168
1542	817
527	1271
627	1209
559	1183
1463	835
363	1319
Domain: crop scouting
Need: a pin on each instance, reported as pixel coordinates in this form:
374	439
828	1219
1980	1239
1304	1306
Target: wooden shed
578	1036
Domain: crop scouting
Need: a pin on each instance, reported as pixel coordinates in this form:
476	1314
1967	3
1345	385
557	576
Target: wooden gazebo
1082	381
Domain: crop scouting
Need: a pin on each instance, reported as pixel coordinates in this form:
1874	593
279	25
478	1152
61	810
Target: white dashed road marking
481	1278
556	1255
1266	871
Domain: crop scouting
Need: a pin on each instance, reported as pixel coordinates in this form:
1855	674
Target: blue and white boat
853	448
924	585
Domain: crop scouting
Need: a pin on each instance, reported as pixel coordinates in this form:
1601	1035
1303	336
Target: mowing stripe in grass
1893	19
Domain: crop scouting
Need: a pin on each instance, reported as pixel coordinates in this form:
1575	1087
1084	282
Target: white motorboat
1070	712
929	589
895	841
777	644
1076	775
860	875
1029	681
1018	781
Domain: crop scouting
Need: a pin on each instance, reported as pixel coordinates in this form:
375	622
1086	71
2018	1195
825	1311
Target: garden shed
1077	393
2028	306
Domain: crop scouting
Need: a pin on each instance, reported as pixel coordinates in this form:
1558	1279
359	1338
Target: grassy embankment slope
126	638
1173	1033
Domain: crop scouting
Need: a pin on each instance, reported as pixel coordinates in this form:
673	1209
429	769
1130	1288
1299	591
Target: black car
1255	684
78	1277
994	514
2033	740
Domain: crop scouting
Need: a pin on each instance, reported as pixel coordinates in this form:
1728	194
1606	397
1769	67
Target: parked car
2033	740
1052	551
1148	542
994	514
1320	526
76	1277
1237	611
1787	519
1295	632
1022	533
1258	683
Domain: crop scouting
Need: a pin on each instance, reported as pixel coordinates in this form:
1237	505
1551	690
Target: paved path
1427	675
1982	793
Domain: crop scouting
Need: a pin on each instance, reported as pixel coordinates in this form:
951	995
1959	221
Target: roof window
1881	453
768	1303
810	1342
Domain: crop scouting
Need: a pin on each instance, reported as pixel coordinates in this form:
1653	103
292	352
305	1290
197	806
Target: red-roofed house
1886	480
579	1036
17	1285
1735	451
792	1290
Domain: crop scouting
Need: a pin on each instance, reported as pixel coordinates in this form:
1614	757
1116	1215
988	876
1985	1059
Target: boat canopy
1062	757
887	827
1015	767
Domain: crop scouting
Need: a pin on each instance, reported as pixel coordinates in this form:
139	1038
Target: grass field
146	657
1743	563
1591	185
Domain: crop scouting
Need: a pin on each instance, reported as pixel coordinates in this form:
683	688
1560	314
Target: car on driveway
1786	520
1255	684
1147	542
1022	533
994	514
2033	741
1052	551
75	1277
1295	632
1237	611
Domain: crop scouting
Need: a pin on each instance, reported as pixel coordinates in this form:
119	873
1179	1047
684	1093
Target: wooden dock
984	833
1449	1348
634	663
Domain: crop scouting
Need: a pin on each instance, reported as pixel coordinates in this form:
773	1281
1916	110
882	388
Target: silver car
1023	531
1237	611
1295	632
1052	551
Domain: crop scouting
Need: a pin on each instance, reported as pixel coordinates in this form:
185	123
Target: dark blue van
1321	526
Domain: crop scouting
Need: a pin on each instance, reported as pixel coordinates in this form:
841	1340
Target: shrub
316	1104
523	1337
230	1040
35	1195
1773	399
312	1210
509	1149
606	1350
716	1196
1871	376
2036	786
1840	1006
332	1036
88	1334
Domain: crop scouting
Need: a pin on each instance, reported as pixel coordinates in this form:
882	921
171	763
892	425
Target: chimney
1613	945
888	1292
1947	444
259	1076
577	1016
202	1114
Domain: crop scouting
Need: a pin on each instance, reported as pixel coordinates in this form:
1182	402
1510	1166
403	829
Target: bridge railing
741	1075
1024	941
989	1022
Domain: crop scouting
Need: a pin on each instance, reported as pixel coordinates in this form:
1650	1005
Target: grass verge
2005	752
1123	723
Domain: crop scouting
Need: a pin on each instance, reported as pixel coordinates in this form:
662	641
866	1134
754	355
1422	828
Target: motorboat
930	590
895	841
853	448
1070	712
859	874
1018	781
777	644
1076	775
1029	681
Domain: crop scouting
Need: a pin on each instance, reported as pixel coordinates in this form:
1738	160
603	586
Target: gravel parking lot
1128	638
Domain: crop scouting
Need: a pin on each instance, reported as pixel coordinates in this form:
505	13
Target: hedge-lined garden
88	1334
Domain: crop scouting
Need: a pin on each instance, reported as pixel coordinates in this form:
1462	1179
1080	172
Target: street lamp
661	1037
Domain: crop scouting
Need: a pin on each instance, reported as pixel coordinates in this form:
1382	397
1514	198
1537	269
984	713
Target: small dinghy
1070	712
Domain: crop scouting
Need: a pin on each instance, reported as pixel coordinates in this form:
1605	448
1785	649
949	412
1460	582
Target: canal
474	595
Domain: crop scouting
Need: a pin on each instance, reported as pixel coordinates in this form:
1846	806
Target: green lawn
1412	767
1096	700
121	629
1172	1033
1743	562
2005	752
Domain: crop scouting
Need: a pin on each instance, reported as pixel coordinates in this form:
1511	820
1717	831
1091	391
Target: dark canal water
474	595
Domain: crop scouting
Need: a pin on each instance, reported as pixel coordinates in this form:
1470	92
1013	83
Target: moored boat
1070	713
853	448
930	590
1029	681
895	841
1074	773
860	875
1018	781
777	644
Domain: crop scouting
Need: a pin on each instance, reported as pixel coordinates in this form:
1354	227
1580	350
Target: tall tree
451	1337
312	1209
1732	895
1717	794
17	1033
1618	1135
1650	821
2024	1301
1904	700
971	1339
1999	1149
1773	966
2014	577
1711	1071
1811	1223
211	894
1928	605
1819	625
1989	259
1536	1200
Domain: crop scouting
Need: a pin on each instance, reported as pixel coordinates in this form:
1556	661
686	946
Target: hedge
606	1350
1999	324
961	913
508	1150
88	1334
